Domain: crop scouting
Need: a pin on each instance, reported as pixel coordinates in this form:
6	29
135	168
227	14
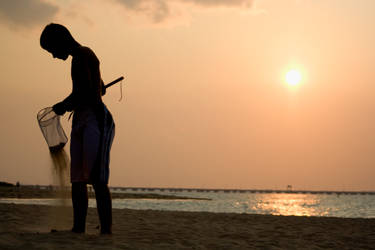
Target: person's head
57	40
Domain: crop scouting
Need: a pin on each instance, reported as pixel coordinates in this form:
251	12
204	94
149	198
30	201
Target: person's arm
66	105
69	102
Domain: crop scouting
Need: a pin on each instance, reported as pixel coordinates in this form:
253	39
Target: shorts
84	145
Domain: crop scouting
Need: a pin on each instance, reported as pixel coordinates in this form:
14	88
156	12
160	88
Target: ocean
329	205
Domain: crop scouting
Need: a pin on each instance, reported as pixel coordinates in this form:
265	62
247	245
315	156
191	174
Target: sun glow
293	77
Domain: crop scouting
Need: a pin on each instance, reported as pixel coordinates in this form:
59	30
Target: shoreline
27	192
29	226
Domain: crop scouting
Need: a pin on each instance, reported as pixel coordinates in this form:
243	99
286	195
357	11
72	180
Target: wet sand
29	227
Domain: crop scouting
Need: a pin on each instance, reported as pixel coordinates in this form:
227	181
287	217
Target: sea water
330	205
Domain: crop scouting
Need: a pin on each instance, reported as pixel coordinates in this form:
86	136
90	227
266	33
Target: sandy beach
29	227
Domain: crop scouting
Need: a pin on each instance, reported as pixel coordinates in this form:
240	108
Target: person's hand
59	108
104	90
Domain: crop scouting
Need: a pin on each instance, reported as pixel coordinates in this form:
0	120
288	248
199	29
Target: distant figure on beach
92	127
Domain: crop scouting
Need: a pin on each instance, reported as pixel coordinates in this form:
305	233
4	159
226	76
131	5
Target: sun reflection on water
289	204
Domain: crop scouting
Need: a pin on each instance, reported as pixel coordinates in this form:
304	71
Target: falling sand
60	175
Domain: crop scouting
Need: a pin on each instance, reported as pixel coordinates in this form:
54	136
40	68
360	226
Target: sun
293	77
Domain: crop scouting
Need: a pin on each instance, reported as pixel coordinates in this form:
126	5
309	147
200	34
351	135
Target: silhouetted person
92	127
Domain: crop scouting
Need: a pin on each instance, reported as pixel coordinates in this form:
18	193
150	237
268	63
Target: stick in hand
114	82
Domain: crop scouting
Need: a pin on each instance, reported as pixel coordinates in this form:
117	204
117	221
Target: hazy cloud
159	10
228	3
26	12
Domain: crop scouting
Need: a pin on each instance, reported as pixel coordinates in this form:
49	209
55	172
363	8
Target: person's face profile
58	53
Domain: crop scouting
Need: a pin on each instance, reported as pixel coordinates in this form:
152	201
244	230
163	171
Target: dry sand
29	227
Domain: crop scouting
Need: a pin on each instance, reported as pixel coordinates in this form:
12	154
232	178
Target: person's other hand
104	90
59	108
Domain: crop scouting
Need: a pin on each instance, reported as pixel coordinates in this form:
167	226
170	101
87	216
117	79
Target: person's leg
91	145
80	204
79	188
104	205
90	151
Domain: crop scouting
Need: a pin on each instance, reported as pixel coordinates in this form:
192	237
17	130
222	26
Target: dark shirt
87	82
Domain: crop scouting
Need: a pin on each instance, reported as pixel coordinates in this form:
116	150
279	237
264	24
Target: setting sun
293	77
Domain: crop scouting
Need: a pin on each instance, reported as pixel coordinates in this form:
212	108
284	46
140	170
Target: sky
205	101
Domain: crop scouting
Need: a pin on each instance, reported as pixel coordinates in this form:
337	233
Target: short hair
55	35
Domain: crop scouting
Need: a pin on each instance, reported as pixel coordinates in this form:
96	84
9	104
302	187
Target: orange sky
205	102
